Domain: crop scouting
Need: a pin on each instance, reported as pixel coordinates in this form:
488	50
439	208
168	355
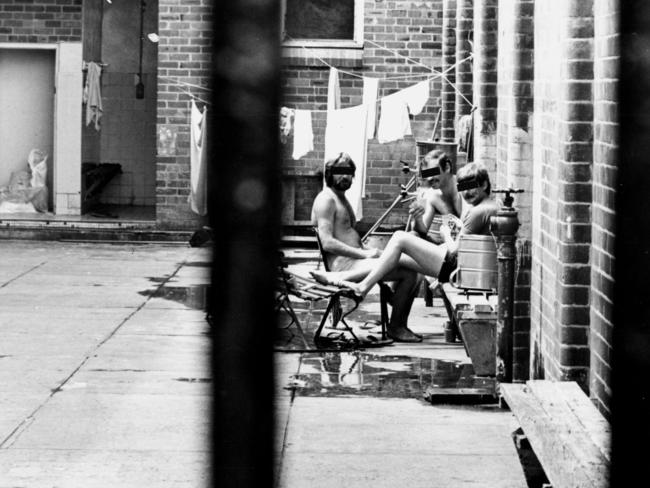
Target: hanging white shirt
370	89
303	135
346	132
198	197
333	90
394	120
417	96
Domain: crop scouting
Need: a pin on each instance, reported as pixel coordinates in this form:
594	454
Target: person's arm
324	211
423	213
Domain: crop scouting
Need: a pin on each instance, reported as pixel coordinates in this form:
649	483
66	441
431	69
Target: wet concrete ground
104	366
360	418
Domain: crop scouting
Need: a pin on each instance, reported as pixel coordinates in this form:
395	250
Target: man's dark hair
440	157
476	171
342	160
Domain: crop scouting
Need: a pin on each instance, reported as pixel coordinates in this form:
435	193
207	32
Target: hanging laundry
286	123
92	95
417	96
198	197
370	89
464	132
303	135
394	120
333	90
346	132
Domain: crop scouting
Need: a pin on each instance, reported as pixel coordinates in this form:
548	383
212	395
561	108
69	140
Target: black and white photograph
324	243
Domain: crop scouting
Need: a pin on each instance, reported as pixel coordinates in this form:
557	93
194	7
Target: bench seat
568	434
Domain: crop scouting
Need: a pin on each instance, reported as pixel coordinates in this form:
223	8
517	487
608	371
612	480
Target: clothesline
179	84
442	74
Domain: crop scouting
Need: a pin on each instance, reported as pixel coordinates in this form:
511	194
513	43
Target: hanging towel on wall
416	97
92	96
198	197
333	90
370	88
394	120
346	132
303	135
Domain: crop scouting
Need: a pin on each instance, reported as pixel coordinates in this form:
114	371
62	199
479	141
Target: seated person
438	197
407	250
343	250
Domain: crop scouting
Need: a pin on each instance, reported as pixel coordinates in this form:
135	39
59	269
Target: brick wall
606	62
184	56
485	81
514	152
562	199
407	29
464	71
448	94
44	21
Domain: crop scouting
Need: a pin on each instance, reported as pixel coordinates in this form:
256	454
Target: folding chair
291	284
385	293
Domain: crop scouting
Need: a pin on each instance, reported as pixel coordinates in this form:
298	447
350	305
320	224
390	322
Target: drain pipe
504	227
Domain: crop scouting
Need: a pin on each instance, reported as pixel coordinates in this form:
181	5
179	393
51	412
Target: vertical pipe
244	203
504	227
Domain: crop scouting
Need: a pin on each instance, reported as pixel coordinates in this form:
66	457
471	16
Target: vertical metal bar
244	202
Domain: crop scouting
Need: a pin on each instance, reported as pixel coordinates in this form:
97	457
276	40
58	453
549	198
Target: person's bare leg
425	257
404	293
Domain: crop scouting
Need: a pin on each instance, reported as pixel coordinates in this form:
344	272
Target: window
323	23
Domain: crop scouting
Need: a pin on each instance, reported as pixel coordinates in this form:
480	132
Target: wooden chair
290	284
385	294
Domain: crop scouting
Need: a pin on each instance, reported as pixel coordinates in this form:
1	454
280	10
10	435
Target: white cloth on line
346	132
92	95
303	135
198	197
333	90
417	96
394	120
370	89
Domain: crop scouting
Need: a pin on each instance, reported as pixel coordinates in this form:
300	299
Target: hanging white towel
370	88
417	96
303	135
333	91
394	120
346	132
92	95
198	197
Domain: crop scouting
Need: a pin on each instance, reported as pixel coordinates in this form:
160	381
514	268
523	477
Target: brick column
464	34
564	152
606	73
514	151
448	94
485	82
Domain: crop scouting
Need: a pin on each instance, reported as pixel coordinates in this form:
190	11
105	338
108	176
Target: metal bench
568	434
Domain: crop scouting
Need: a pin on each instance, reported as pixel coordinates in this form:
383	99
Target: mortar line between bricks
22	274
14	435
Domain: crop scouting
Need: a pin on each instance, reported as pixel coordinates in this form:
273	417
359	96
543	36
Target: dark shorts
448	266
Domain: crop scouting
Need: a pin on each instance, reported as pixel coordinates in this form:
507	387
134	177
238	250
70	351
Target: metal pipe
403	194
504	227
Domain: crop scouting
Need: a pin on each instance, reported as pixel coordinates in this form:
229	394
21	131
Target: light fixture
153	37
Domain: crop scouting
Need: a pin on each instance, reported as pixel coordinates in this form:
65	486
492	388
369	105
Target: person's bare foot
403	334
325	277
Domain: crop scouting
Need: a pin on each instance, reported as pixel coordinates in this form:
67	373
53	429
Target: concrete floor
359	418
104	367
105	382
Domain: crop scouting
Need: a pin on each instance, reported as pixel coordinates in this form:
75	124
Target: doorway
27	81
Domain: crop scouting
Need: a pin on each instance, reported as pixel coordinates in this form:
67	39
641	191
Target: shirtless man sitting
334	218
441	198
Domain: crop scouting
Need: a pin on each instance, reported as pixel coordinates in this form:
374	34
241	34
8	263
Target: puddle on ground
194	296
355	373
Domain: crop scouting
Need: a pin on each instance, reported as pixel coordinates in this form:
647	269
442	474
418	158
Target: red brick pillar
514	151
448	94
485	82
464	35
606	75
